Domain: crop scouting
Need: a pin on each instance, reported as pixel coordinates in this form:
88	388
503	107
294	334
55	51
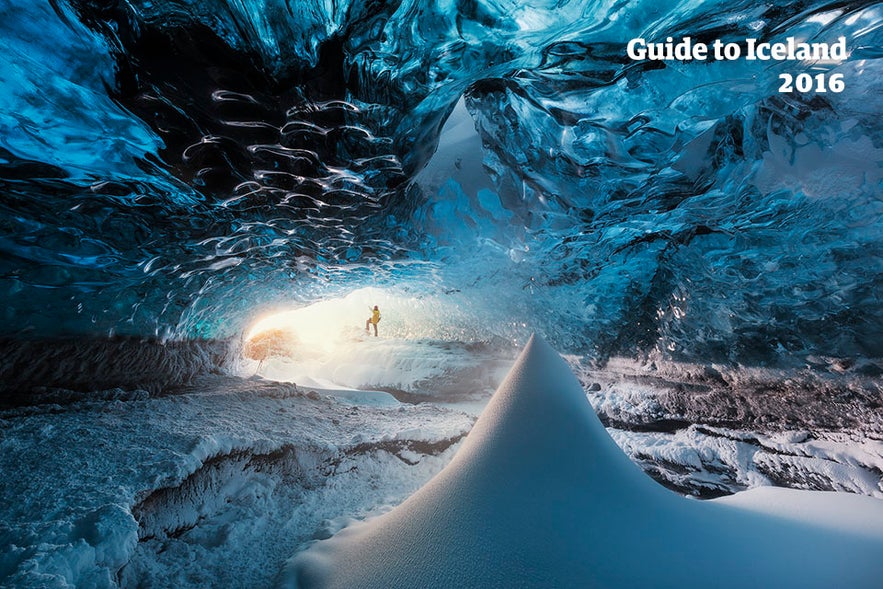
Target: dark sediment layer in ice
714	430
673	396
35	371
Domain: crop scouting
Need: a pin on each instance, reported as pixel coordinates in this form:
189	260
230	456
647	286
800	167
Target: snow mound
539	495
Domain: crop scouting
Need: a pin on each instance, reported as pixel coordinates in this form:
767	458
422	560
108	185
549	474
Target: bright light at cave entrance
323	326
427	341
325	344
326	325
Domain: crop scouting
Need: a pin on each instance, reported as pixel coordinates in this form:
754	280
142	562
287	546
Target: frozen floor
220	485
224	482
539	495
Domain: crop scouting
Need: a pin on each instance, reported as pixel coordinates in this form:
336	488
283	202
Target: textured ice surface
215	486
173	168
539	495
709	431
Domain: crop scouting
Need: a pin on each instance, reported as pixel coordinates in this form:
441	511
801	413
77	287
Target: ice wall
172	169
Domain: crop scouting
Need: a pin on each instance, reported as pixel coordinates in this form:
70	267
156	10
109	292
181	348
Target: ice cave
638	301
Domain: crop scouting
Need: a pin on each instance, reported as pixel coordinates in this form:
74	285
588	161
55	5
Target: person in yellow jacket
373	320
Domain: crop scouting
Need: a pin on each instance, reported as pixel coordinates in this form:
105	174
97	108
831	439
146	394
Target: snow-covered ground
222	482
539	495
410	369
217	486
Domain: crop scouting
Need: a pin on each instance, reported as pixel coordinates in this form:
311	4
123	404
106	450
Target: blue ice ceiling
170	168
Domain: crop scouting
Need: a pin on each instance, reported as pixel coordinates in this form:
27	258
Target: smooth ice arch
541	496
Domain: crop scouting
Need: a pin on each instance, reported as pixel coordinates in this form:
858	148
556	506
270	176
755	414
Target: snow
413	366
218	485
540	495
418	369
839	513
224	482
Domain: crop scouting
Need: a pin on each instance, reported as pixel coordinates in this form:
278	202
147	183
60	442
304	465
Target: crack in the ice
172	511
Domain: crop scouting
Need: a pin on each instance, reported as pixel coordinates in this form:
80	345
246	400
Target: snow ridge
539	495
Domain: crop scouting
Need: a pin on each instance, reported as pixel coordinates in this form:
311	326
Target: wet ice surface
228	478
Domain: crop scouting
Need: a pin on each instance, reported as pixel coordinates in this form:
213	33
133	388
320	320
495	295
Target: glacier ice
172	171
157	157
539	495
